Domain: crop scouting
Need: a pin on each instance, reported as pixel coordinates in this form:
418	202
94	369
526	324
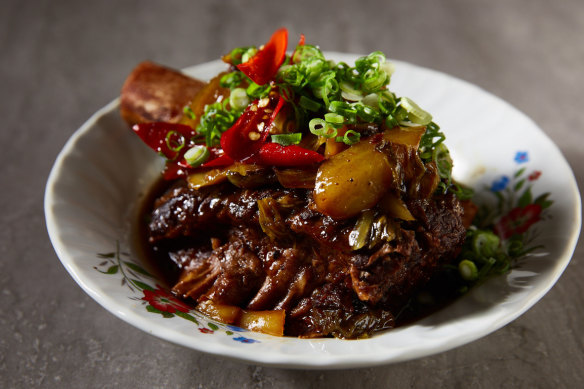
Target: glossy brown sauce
437	294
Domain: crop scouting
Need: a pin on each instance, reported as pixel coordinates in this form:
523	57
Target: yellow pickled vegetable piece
268	322
352	180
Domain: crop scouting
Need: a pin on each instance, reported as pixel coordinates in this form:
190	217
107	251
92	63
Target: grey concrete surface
62	60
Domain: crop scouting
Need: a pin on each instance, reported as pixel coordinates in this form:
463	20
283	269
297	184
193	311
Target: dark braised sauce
208	245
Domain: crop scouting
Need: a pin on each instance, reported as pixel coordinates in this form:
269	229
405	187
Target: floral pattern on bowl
156	299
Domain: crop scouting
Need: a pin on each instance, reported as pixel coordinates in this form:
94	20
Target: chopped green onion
441	156
415	113
309	104
189	113
334	118
197	155
485	243
238	99
390	121
231	80
236	54
305	52
386	102
258	91
349	92
173	144
350	138
344	109
468	270
371	100
287	139
319	127
250	52
366	113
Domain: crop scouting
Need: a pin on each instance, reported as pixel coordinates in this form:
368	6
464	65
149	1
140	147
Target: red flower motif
164	301
206	330
534	176
518	220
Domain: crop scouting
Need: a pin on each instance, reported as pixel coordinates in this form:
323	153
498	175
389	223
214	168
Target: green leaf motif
525	199
137	268
213	326
111	270
142	285
166	315
543	201
519	185
519	172
106	255
187	316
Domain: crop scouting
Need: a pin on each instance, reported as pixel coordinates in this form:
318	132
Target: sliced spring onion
344	109
258	91
334	118
287	139
366	113
309	104
231	80
197	155
350	138
468	270
189	113
371	100
238	99
349	92
415	113
485	243
390	121
250	52
175	141
319	127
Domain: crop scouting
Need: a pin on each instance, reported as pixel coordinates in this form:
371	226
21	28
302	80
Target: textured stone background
62	60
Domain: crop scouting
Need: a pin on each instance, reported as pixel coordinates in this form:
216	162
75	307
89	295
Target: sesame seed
254	135
263	102
261	126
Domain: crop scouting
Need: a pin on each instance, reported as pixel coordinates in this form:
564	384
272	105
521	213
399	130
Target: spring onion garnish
189	113
197	155
349	138
415	113
215	121
238	99
334	118
175	141
256	91
231	80
241	54
309	104
468	270
324	96
287	139
319	127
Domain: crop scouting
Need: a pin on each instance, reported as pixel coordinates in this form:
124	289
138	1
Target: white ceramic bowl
104	171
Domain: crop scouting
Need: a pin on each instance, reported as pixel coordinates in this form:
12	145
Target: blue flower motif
245	340
235	329
521	157
500	184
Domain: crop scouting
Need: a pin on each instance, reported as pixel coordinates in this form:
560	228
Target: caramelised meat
306	267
